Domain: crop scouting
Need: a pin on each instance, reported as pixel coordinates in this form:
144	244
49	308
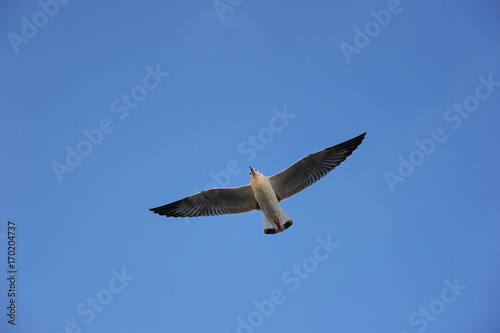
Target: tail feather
284	222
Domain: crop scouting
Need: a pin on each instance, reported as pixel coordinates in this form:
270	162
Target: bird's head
254	172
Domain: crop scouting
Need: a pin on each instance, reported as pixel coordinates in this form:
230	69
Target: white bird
264	193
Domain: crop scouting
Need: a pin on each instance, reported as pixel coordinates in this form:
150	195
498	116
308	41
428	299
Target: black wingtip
155	210
350	145
164	210
361	136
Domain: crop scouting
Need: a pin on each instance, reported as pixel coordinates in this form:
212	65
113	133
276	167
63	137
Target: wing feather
215	201
312	168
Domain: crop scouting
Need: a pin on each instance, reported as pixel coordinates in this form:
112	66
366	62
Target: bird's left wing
311	168
215	201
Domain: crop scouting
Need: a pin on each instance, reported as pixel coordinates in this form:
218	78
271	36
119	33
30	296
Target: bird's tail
277	225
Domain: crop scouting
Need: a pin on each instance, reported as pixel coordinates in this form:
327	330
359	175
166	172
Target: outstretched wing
215	201
312	168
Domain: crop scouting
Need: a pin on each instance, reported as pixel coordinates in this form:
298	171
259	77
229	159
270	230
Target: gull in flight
264	193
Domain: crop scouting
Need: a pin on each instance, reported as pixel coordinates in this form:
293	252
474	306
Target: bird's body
264	193
275	219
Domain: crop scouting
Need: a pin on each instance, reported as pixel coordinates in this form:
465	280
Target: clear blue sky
109	109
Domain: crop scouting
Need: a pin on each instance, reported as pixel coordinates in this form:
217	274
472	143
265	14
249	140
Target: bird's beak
251	169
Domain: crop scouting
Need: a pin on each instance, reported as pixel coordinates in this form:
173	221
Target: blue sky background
398	245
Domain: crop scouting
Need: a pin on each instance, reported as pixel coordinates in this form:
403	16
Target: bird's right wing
311	168
215	201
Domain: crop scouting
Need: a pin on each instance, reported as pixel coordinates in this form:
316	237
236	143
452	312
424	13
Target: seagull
264	193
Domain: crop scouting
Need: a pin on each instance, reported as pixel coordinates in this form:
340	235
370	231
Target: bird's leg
277	221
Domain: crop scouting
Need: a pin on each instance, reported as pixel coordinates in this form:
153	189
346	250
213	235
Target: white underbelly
265	196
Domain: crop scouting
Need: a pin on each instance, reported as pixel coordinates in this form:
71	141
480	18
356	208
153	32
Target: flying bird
264	193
